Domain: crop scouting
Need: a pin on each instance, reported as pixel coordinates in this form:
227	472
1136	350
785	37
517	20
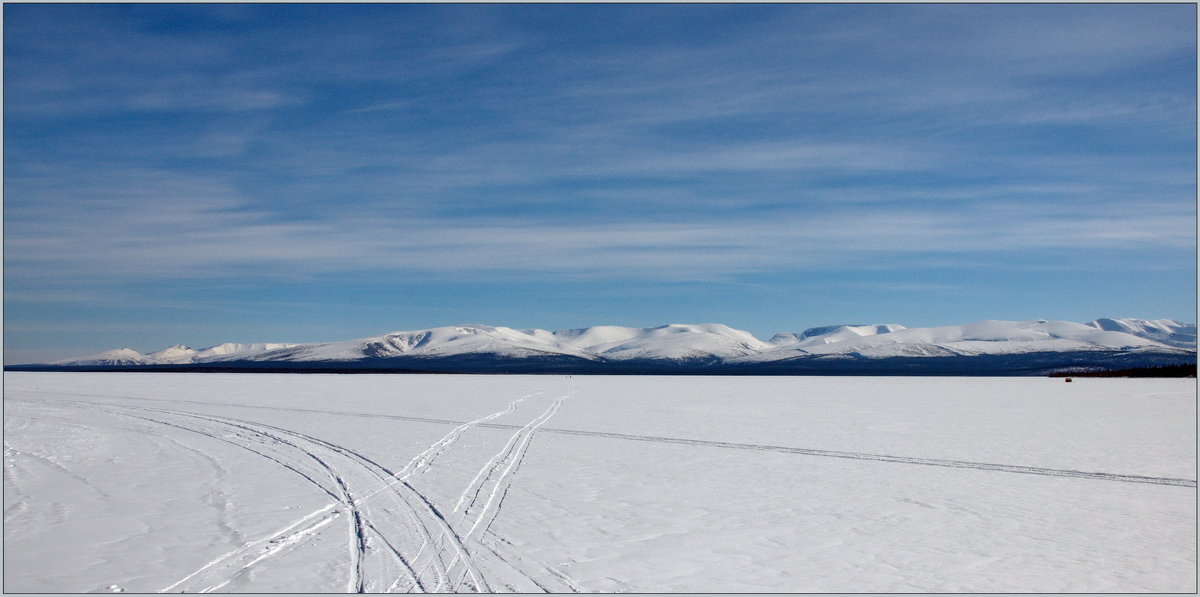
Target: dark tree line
1188	370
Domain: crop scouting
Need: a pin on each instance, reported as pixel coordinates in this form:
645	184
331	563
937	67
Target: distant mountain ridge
171	355
981	348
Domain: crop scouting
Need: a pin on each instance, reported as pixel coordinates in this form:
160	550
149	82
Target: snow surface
673	341
148	482
833	333
698	343
1167	331
984	337
175	355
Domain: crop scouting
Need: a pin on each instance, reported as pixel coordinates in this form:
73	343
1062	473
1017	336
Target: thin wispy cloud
160	232
337	150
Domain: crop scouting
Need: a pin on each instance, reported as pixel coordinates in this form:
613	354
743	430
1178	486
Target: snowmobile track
1008	468
373	528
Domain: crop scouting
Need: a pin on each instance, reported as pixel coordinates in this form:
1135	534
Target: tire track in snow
496	476
457	543
273	544
261	438
341	413
390	480
278	546
511	455
361	540
425	458
512	551
290	456
1011	468
377	530
1007	468
460	552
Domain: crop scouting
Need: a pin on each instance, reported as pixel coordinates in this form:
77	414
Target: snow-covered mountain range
984	347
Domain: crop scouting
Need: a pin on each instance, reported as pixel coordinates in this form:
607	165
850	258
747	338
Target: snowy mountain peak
176	354
857	329
1166	331
693	345
833	333
235	348
118	357
674	342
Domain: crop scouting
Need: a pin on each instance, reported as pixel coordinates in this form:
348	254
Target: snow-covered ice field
327	483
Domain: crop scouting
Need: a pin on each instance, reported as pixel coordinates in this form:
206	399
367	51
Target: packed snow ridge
697	344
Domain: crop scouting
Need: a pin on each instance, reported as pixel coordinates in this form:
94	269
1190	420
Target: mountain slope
435	343
992	337
1166	331
1011	346
673	342
832	334
171	355
117	357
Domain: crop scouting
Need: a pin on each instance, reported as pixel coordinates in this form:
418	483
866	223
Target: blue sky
201	174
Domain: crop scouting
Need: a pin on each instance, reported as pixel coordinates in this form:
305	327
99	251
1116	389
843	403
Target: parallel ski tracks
1007	468
337	472
399	540
899	459
495	477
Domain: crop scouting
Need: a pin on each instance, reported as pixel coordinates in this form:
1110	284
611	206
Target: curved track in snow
398	539
900	459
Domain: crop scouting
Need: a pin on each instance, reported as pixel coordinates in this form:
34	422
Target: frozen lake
408	483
